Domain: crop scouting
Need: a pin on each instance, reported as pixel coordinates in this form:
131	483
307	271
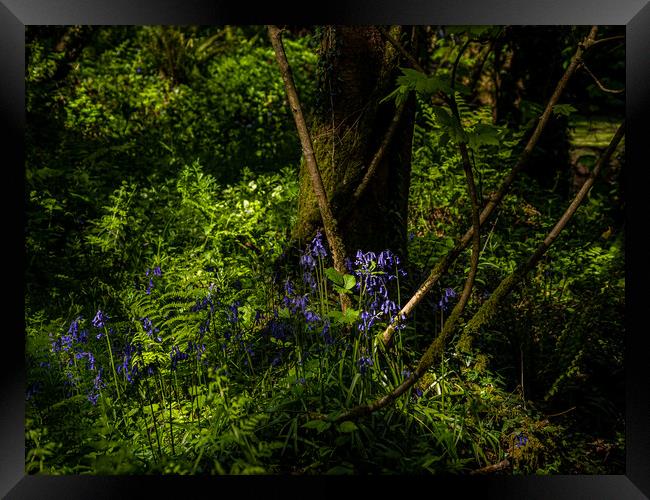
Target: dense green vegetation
175	325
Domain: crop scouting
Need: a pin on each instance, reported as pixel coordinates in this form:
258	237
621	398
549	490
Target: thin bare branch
442	266
329	222
600	85
608	39
379	155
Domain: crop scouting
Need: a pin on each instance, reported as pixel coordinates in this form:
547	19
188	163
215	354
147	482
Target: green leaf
334	276
349	317
349	281
483	135
319	425
564	109
348	426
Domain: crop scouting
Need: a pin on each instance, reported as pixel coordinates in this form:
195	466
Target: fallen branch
503	464
441	267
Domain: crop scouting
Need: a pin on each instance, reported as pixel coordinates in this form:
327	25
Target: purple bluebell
233	312
317	248
100	319
364	362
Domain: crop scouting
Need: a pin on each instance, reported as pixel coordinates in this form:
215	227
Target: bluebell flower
149	287
233	314
448	295
74	329
327	336
307	261
417	393
522	440
311	317
259	316
288	288
364	362
157	271
309	280
100	319
177	355
317	248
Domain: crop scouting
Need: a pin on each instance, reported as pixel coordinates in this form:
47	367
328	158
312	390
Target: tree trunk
523	82
357	68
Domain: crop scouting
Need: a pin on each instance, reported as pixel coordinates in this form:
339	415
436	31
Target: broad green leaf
319	425
482	135
334	276
348	426
564	109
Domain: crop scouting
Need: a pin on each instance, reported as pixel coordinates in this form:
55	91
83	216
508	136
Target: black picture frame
634	14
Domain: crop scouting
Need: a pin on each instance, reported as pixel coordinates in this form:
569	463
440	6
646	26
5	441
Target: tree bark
357	68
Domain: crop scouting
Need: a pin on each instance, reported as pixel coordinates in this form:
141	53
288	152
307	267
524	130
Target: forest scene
315	250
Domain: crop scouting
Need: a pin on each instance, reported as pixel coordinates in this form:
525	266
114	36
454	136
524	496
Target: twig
329	222
561	413
600	85
608	39
442	266
379	155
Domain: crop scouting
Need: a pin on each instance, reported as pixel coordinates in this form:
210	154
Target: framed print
263	256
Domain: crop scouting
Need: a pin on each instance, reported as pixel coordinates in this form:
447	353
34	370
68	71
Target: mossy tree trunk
357	68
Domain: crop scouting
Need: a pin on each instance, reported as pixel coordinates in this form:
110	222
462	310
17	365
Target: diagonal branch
379	155
329	222
441	267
